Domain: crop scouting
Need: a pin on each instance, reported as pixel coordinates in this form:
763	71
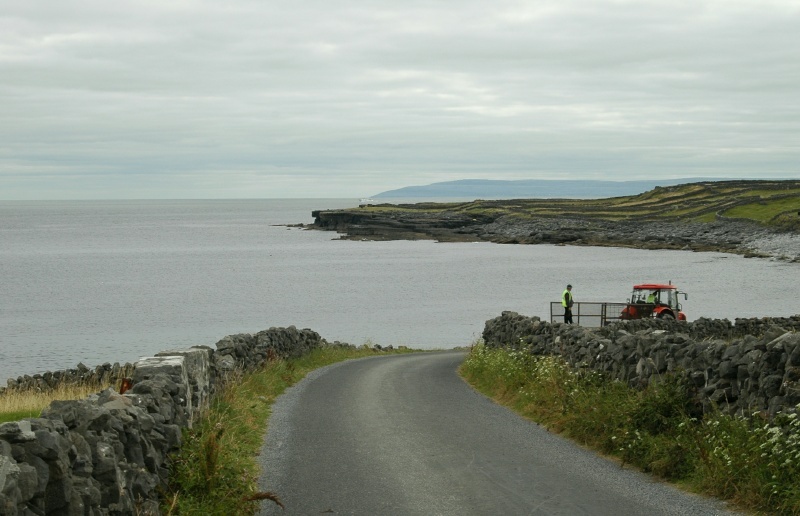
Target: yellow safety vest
565	298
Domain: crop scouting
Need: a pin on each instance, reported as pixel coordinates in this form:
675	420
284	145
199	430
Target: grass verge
216	471
748	461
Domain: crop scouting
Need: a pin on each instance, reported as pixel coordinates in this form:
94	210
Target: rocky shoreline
722	235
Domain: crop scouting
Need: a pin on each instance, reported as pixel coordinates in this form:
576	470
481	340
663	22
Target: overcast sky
337	98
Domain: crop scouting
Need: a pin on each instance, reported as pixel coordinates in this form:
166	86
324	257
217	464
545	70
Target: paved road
405	435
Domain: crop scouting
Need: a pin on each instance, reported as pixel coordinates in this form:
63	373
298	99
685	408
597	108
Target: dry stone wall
104	374
107	454
742	368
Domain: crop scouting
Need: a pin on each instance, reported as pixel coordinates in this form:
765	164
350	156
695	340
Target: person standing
567	302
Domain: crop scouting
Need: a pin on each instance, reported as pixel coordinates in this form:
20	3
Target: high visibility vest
565	298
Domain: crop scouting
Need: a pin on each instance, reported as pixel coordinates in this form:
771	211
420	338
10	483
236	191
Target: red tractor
654	300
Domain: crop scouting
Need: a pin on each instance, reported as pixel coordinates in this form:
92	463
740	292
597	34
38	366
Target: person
567	302
651	298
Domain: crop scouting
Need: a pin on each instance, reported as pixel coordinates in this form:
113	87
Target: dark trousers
568	315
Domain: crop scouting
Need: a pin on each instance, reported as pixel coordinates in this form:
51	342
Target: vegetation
770	202
749	461
16	405
216	471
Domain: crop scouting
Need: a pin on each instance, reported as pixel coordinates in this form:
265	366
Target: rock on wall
106	454
752	366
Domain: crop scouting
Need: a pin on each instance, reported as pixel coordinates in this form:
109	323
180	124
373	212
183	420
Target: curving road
405	435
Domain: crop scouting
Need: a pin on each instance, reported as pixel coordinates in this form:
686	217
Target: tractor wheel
666	316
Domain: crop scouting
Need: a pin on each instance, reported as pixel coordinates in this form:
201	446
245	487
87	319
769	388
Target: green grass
765	212
216	471
706	217
661	430
766	194
5	417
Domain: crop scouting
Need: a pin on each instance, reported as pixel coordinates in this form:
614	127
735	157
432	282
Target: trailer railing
588	314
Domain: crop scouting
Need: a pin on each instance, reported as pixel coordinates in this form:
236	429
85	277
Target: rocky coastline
725	235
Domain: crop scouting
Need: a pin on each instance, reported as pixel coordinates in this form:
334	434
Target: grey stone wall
81	375
107	454
742	368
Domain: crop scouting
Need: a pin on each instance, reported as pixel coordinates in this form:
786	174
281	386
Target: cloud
342	98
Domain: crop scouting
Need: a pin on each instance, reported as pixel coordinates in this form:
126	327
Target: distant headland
759	218
529	188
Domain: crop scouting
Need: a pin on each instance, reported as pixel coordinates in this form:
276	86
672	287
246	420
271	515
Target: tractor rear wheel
666	316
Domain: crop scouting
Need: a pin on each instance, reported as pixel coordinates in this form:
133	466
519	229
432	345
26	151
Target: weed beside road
751	462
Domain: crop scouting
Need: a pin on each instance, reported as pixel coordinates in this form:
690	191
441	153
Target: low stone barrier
107	454
81	375
752	366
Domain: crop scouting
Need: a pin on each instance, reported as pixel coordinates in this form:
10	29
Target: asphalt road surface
405	435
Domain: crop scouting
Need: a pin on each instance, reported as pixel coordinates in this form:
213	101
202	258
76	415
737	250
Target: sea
112	281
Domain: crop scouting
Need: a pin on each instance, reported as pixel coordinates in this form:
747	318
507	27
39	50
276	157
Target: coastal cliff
752	218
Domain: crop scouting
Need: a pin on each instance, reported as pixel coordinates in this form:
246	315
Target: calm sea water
98	282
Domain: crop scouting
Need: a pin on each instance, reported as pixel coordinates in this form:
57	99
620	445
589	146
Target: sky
337	98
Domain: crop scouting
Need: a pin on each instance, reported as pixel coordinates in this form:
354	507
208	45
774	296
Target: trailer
591	314
648	300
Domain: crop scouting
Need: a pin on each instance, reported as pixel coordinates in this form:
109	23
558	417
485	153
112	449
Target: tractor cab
654	300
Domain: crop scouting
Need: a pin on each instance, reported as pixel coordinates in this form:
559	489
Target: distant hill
529	188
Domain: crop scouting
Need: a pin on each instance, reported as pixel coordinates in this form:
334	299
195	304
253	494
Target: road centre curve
405	435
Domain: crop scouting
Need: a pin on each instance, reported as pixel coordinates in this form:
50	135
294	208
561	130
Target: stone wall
107	454
751	366
81	375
